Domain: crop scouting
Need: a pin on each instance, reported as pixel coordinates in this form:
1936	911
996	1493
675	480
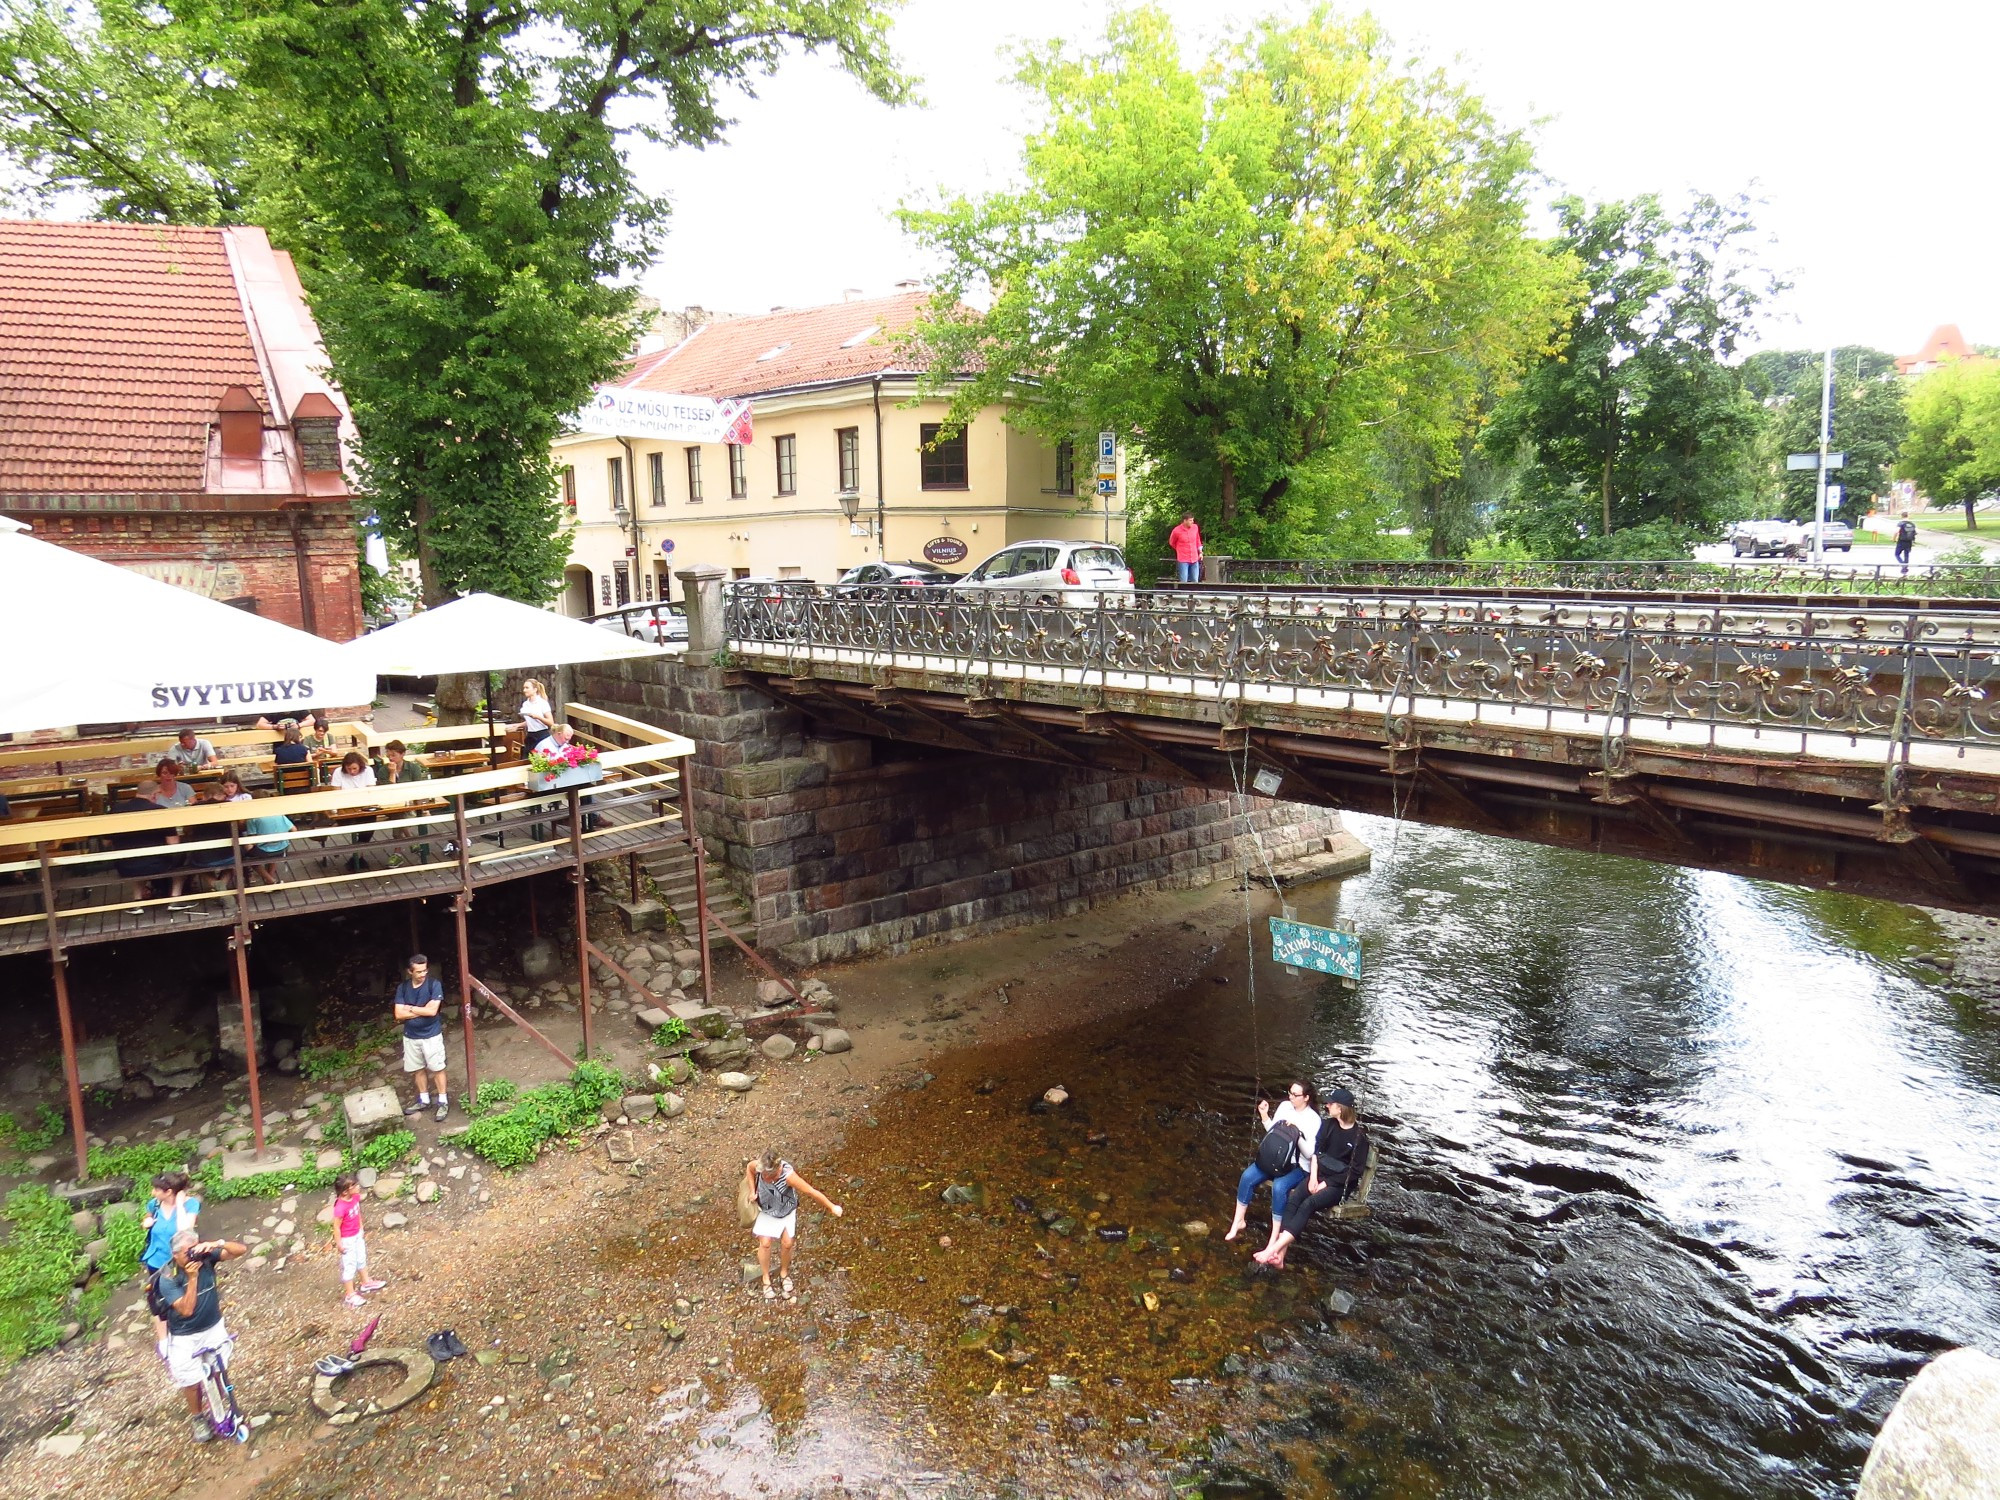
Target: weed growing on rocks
140	1163
514	1136
39	1262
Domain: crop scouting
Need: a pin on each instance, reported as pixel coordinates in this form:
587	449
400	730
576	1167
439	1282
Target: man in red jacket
1185	539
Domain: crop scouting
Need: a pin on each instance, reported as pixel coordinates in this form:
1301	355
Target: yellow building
840	468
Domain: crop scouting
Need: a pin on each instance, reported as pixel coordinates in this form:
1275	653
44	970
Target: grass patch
317	1064
387	1149
515	1135
140	1163
492	1095
49	1127
39	1261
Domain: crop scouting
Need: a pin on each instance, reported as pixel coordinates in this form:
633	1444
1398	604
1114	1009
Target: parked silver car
1835	536
1053	572
1764	539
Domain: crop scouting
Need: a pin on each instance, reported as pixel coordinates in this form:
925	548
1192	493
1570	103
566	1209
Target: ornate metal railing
1794	579
1864	672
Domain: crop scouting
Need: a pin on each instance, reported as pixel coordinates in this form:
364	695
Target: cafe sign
944	551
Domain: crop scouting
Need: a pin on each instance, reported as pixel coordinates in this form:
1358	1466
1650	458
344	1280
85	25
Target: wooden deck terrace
64	883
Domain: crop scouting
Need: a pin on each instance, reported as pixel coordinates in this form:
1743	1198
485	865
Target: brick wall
846	845
225	554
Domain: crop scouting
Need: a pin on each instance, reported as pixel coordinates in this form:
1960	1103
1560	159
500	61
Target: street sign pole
1825	442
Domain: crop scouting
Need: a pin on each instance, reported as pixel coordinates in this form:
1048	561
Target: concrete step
672	874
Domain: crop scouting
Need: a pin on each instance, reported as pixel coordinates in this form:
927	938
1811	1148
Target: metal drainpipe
632	499
881	512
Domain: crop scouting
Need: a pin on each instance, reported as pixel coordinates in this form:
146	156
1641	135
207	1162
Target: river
1682	1177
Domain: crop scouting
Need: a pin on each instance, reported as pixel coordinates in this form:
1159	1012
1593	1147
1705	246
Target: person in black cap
1337	1166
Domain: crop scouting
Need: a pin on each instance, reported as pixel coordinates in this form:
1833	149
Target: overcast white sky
1867	128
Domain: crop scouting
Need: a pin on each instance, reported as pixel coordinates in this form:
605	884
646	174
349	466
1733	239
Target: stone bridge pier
843	845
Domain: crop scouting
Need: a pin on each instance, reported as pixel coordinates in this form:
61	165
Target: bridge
1825	733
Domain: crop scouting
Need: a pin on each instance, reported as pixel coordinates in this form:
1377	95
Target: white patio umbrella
485	633
99	644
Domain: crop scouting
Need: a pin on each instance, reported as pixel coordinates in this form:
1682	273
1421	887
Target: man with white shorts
192	1306
419	1006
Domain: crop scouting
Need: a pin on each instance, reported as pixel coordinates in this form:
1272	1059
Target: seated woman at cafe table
291	750
167	789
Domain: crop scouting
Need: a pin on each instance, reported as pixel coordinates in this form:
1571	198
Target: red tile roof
117	343
804	346
1945	344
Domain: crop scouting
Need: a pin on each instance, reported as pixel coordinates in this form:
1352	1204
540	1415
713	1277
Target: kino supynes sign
618	411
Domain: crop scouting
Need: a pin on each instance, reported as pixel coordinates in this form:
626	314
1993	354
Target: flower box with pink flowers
553	767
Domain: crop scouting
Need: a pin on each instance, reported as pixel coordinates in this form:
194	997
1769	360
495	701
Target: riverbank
604	1300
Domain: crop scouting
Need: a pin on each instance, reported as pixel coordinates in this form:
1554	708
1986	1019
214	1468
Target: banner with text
619	411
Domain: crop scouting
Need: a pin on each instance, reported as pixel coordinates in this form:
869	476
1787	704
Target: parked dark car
875	580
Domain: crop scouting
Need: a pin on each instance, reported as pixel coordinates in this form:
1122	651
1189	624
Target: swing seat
1356	1207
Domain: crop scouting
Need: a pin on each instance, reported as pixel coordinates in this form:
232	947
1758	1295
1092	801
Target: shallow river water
1682	1177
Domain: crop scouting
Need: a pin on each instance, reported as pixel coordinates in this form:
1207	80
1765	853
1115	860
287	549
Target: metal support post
458	909
582	913
58	969
239	944
700	877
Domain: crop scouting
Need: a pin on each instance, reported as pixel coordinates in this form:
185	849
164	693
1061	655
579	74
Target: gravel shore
604	1300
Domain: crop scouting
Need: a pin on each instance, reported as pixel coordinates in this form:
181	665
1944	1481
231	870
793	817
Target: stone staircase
672	873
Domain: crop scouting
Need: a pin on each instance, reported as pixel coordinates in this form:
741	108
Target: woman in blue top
173	1209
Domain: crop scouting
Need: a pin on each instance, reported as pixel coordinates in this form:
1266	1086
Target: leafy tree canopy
450	176
1952	451
1639	422
1868	424
1249	267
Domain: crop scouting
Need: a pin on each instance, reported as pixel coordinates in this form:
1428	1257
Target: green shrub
388	1149
317	1064
672	1030
39	1260
490	1095
49	1128
140	1163
263	1184
514	1136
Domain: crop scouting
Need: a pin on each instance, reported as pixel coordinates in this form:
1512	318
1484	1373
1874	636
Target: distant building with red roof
791	444
1946	345
163	407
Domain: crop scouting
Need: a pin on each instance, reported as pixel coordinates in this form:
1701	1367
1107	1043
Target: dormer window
773	352
862	337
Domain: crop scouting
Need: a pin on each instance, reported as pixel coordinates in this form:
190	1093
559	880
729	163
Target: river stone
394	1221
83	1224
540	962
639	1106
427	1191
619	1146
1339	1304
388	1185
735	1082
677	1070
1942	1440
778	1047
721	1053
671	1106
1195	1229
772	992
326	1161
833	1039
651	1017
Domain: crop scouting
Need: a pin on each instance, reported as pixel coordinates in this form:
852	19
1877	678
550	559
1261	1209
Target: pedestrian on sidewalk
1906	538
420	1006
354	1278
1185	539
777	1188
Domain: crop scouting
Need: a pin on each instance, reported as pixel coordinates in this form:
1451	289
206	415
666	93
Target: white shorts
423	1054
768	1228
184	1351
353	1256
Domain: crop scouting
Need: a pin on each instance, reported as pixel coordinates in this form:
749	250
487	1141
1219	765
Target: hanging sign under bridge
1299	945
620	411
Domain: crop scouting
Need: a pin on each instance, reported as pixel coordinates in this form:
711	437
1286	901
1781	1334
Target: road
1928	549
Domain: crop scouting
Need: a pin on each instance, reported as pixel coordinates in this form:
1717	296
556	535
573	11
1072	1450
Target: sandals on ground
787	1284
769	1295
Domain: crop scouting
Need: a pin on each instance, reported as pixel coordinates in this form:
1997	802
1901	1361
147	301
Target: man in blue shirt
419	1003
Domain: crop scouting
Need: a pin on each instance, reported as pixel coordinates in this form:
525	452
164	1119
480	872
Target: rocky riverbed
618	1345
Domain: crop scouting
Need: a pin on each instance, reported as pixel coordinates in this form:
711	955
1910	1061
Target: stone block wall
850	845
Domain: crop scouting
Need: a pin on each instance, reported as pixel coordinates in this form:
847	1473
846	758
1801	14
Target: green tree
451	177
1250	266
1868	417
1638	422
1952	451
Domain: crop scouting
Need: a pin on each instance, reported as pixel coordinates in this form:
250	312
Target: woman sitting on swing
1334	1170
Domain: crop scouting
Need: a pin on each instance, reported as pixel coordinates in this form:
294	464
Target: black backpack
1278	1152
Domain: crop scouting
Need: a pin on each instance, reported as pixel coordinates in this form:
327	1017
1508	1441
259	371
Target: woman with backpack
1284	1155
1340	1164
